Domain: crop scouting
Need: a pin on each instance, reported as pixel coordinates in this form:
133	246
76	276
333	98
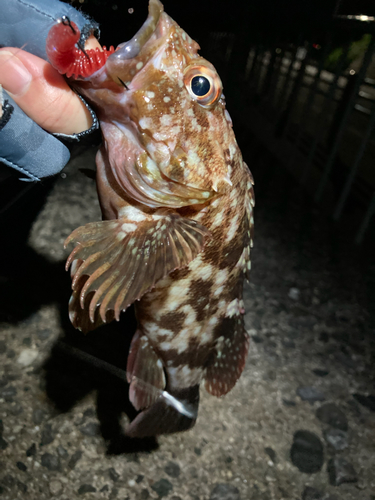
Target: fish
177	202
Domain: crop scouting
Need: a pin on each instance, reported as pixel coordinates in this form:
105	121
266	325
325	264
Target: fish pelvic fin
123	260
144	372
165	415
232	346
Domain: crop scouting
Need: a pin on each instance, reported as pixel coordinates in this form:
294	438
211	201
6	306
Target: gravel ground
300	424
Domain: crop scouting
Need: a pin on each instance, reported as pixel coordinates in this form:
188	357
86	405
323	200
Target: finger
42	93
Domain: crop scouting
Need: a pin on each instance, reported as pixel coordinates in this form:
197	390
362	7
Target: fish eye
203	84
200	85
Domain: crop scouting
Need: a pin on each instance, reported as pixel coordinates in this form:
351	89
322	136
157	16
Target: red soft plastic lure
68	58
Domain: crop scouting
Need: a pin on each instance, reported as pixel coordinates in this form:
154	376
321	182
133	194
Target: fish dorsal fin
124	259
230	359
145	373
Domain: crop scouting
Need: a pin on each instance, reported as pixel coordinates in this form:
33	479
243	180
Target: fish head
168	102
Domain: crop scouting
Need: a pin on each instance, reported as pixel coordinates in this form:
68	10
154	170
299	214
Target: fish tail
175	410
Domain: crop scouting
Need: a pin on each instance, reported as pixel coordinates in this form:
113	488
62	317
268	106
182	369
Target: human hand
38	89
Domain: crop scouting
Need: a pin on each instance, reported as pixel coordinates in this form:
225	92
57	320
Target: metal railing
316	112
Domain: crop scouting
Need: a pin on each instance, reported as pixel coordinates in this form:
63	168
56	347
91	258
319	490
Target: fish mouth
129	50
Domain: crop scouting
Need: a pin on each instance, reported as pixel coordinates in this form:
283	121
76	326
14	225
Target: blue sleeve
25	146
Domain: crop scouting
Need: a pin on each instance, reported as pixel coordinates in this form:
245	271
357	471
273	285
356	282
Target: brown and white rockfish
177	203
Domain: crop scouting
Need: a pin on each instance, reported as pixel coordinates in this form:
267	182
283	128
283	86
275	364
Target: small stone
113	494
198	451
21	466
307	452
3	444
341	471
320	373
8	393
288	344
48	435
11	354
1	428
289	402
62	452
225	492
55	487
172	469
8	481
308	393
257	339
162	487
331	414
38	416
310	493
16	409
90	429
3	347
294	293
51	462
105	488
140	478
271	453
74	459
89	413
144	495
22	486
336	438
367	401
115	476
31	452
44	334
26	341
86	488
176	498
27	357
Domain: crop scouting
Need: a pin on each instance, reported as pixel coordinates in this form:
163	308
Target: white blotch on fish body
233	308
145	123
219	217
221	277
191	316
139	65
166	120
150	94
184	376
206	272
132	214
166	99
234	224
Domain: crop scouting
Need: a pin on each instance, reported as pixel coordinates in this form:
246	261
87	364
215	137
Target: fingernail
14	77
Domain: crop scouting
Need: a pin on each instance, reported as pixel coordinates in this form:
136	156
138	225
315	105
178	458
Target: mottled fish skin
191	320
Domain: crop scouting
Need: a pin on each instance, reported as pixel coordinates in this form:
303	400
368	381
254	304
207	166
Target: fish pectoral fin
124	259
144	372
79	317
229	362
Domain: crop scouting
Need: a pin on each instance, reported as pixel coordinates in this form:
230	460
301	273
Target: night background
299	81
